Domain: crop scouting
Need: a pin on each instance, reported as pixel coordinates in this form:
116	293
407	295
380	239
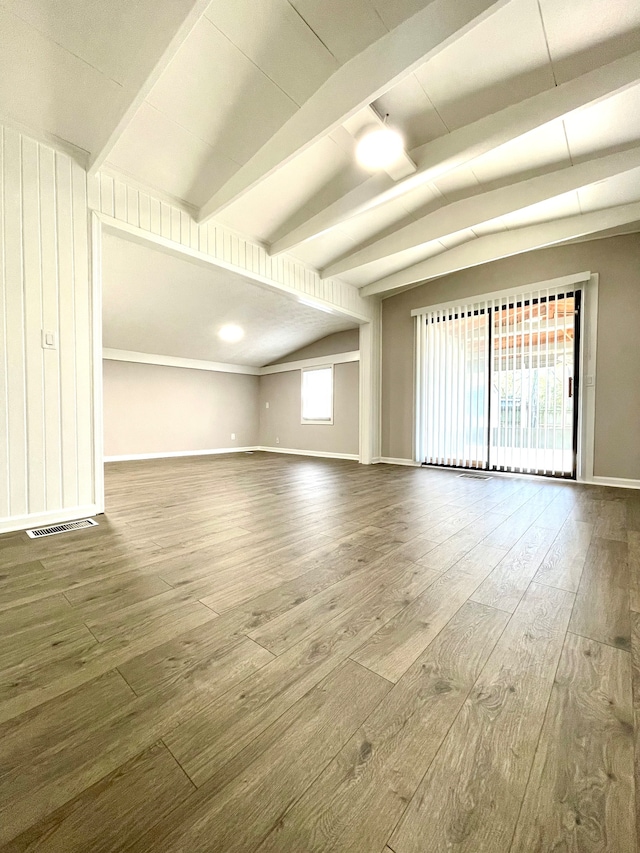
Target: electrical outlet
266	405
233	436
277	441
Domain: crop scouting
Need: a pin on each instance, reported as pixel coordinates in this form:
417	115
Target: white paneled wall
46	419
128	204
48	466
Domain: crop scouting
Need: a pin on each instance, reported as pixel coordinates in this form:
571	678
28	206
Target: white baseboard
321	453
390	460
170	454
41	519
616	482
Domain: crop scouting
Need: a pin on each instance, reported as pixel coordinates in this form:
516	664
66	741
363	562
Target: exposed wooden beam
354	86
482	207
111	137
459	147
493	247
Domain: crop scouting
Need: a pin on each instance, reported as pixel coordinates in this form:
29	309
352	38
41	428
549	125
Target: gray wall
283	393
617	260
348	341
282	418
155	409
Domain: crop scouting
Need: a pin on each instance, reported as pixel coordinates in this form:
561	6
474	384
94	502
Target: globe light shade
231	333
379	148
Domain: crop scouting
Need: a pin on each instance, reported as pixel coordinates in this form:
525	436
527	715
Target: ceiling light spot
379	148
231	333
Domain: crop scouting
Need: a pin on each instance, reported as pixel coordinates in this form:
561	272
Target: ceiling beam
493	247
366	120
482	207
354	86
111	137
459	147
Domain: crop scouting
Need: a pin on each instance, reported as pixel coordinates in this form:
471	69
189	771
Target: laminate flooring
293	655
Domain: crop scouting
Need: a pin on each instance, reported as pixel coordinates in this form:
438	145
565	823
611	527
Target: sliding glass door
533	385
496	385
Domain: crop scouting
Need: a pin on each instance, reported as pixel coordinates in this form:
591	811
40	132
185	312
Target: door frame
587	282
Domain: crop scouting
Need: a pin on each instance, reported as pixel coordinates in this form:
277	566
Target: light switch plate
49	339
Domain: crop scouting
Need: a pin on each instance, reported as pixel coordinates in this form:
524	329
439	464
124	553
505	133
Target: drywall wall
617	261
348	341
151	408
282	419
50	454
47	467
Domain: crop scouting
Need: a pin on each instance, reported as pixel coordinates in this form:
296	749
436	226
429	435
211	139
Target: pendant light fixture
379	147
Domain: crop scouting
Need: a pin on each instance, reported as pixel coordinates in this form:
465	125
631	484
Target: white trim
138	235
119	174
586	392
390	460
588	350
370	388
615	482
562	281
488	472
305	363
133	357
354	457
95	250
319	421
174	361
43	137
40	519
170	454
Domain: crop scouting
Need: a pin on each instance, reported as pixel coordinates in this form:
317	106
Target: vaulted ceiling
521	118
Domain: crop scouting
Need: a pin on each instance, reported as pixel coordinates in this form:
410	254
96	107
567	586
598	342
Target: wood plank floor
289	655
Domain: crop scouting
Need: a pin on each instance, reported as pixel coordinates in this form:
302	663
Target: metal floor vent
469	475
61	528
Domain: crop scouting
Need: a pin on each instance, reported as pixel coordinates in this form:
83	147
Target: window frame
303	370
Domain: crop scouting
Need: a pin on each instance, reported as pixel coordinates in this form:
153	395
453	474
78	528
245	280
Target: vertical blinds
495	383
452	378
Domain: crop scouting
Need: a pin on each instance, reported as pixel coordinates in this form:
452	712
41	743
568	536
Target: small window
317	395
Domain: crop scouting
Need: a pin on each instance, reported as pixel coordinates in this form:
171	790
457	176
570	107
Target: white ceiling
246	115
158	303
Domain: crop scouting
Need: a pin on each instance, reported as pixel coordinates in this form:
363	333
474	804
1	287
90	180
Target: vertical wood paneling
84	355
145	212
32	266
4	377
194	234
93	192
107	196
15	343
67	340
174	233
134	207
156	220
133	213
165	220
51	358
120	195
46	420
